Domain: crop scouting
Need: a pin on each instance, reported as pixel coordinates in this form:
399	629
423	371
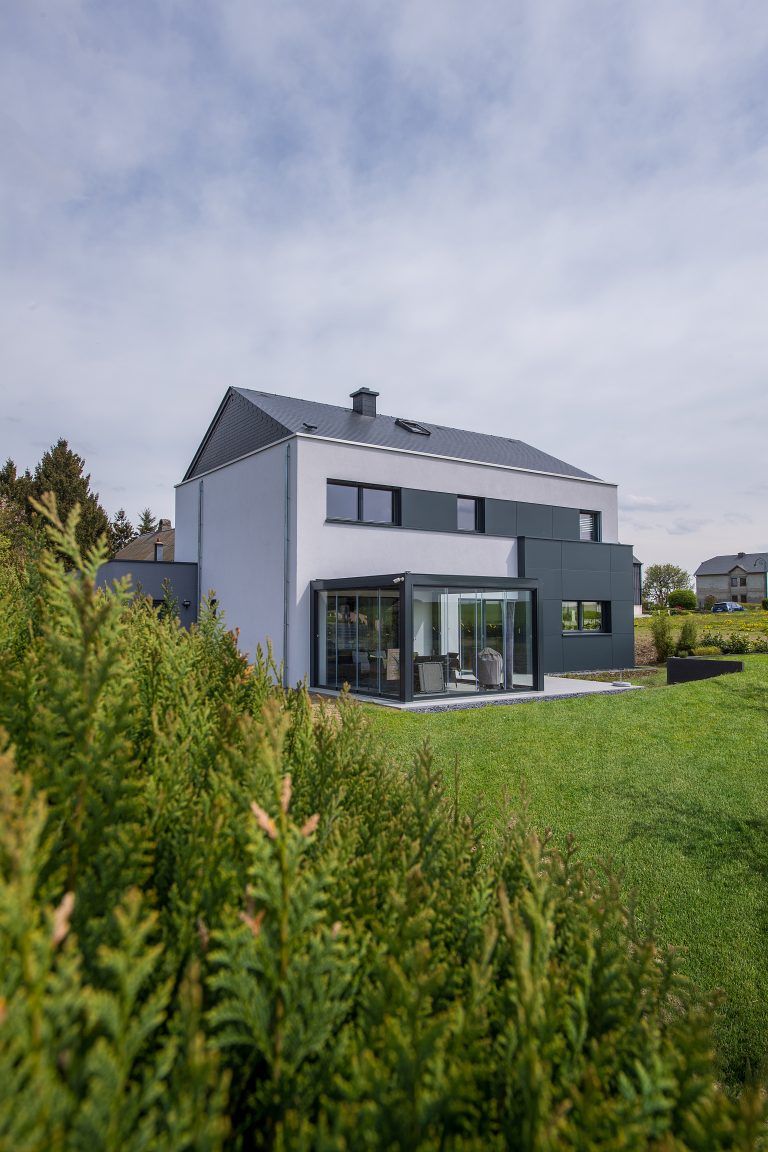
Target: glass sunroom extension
413	636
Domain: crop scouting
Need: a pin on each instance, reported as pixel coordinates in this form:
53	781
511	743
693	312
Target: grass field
668	786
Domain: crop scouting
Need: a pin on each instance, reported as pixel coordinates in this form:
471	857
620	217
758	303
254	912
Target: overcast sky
544	219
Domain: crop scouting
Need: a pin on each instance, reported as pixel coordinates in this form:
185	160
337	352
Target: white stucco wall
242	546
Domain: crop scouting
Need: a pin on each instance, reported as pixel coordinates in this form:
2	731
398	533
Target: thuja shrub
228	920
663	640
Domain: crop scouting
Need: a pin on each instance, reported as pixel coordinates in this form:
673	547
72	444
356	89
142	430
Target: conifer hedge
228	921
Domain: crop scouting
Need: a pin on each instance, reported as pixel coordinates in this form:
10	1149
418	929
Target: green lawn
668	785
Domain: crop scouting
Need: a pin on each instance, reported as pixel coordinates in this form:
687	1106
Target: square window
466	514
589	525
378	506
341	501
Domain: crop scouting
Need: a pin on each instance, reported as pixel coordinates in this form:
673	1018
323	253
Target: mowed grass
665	785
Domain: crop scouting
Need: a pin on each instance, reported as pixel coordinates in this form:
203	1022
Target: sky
542	218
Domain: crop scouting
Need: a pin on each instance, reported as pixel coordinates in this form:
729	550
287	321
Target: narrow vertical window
469	514
589	525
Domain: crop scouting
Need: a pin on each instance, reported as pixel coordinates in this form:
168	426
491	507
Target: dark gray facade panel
571	570
534	520
580	653
621	558
501	517
580	585
427	511
623	618
239	428
147	578
535	555
622	586
565	523
552	655
623	650
587	556
552	584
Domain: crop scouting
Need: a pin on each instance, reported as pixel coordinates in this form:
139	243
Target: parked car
727	606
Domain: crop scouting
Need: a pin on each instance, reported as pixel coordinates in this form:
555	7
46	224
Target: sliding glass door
359	641
472	641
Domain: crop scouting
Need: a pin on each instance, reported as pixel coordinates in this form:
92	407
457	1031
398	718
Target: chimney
164	526
740	555
364	402
158	551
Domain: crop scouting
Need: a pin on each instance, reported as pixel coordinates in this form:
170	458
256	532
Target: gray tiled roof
230	435
722	565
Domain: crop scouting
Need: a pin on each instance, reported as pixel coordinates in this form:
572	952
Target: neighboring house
155	546
400	556
637	585
742	577
149	560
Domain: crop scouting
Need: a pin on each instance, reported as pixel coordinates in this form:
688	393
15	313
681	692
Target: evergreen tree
147	523
121	532
62	472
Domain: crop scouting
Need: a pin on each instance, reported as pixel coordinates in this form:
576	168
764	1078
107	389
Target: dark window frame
597	530
360	487
604	630
479	503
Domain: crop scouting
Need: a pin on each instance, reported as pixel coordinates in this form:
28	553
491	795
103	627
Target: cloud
686	527
534	219
639	504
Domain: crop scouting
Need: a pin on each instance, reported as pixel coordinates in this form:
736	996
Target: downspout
286	559
199	545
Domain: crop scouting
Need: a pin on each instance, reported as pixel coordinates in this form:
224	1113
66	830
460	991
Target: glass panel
341	501
592	616
466	513
346	639
368	658
491	642
470	642
377	505
326	633
519	607
570	616
389	643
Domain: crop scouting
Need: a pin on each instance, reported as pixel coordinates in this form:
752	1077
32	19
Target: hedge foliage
227	921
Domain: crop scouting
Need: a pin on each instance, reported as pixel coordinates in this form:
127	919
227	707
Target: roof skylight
412	426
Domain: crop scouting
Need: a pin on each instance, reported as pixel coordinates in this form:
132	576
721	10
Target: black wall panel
428	511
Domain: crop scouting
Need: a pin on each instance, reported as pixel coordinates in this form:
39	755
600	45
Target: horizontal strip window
586	616
589	525
362	503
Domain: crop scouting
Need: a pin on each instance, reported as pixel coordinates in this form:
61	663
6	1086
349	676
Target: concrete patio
555	688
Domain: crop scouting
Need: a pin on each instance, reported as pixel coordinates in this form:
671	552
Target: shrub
760	645
682	598
661	630
764	605
737	644
227	920
688	637
706	650
709	602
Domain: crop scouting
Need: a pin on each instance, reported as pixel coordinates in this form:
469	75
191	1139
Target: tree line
61	471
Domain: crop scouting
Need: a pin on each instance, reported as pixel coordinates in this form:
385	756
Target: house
155	546
149	561
399	556
742	577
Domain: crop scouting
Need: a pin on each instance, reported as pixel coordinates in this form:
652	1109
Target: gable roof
248	420
143	547
722	565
